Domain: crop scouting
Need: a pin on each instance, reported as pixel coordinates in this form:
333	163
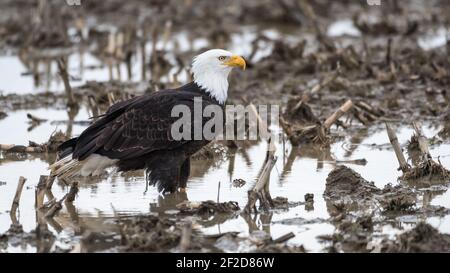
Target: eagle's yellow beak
236	60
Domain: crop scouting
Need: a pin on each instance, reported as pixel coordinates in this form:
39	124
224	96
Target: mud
351	235
42	240
344	182
347	187
208	208
430	170
422	238
149	233
238	183
445	132
390	61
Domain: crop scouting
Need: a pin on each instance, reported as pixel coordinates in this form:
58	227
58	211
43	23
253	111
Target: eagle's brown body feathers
136	134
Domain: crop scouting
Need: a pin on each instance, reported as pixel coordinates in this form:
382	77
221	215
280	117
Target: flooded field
393	71
300	170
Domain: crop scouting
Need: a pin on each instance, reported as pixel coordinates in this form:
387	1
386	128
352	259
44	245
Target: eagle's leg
185	170
168	172
164	179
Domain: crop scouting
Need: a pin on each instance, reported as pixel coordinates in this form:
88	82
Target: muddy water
298	171
125	194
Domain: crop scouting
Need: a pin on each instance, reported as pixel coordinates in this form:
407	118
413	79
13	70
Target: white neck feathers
216	84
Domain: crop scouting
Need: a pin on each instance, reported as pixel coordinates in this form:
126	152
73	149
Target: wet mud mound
149	234
428	169
258	241
345	182
422	238
301	124
345	187
208	208
353	235
397	198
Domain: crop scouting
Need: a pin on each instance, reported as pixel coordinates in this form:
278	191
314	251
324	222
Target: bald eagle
136	134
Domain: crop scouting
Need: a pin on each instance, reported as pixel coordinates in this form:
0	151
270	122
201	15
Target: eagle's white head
211	69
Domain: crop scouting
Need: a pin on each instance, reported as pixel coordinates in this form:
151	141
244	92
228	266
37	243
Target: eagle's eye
222	58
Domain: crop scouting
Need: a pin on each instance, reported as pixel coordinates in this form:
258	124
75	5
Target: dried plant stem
72	192
336	115
261	189
423	144
284	238
55	208
397	149
65	77
186	233
40	191
16	201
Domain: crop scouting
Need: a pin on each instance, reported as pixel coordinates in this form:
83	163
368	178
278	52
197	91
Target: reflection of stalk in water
54	224
24	58
43	244
308	151
322	154
251	222
266	220
15	204
231	163
356	139
287	167
217	219
320	160
74	217
168	202
246	157
361	162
